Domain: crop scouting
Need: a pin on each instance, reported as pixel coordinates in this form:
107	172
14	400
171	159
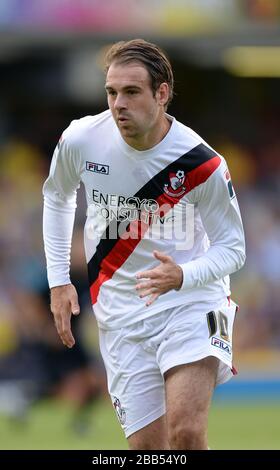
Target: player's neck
151	138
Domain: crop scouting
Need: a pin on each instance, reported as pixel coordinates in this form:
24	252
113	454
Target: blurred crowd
33	362
256	173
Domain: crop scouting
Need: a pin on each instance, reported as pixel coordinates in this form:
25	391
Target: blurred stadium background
226	58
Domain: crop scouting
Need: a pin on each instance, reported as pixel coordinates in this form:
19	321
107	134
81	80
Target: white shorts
137	356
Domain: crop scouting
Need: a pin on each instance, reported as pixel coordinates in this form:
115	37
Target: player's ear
163	93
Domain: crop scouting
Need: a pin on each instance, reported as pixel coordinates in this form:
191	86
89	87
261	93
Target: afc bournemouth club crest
176	186
119	410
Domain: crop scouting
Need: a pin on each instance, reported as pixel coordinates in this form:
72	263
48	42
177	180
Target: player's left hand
165	277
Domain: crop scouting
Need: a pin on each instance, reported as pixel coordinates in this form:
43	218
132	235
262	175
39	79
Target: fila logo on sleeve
229	184
97	168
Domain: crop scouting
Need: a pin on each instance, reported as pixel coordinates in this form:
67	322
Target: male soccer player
164	313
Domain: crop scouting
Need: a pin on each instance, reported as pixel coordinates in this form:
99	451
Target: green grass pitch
51	425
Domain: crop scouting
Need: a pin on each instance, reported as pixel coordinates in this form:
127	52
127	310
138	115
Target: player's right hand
64	303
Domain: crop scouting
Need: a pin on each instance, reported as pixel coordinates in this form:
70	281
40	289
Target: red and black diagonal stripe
198	164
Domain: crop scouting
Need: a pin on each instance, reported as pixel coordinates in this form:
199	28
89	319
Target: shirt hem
147	312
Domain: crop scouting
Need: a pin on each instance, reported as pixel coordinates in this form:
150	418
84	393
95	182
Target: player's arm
221	218
58	220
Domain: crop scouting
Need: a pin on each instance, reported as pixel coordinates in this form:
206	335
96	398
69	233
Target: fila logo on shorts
218	343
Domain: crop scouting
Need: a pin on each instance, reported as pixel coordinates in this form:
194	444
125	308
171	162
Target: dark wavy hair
148	54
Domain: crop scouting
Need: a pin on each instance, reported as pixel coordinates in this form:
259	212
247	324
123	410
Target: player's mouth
123	119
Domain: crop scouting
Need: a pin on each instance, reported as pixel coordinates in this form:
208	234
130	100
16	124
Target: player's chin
127	131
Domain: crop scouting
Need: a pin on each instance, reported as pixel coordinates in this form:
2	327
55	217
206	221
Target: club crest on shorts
119	410
176	186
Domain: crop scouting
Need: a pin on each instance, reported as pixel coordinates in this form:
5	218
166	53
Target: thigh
151	437
135	384
189	390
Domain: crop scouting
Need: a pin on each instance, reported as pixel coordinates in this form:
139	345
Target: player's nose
120	102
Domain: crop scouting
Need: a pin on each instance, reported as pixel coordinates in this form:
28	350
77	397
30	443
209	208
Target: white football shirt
176	197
